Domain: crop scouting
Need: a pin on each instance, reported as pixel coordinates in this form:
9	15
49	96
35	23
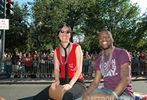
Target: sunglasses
67	32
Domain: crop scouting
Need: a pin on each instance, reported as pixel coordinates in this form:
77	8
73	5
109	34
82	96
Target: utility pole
4	25
3	4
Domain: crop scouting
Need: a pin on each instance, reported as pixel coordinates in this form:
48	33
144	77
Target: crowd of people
139	63
40	64
29	64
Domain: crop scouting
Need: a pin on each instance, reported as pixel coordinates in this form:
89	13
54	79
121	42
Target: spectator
136	64
86	63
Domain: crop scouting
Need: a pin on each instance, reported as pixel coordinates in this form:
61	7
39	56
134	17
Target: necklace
67	48
107	63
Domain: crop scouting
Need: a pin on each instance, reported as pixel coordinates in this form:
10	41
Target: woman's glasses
67	32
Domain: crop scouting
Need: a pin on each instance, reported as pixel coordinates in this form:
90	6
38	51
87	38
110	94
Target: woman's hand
55	83
67	87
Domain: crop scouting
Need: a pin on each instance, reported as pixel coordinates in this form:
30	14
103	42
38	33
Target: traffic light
2	6
9	7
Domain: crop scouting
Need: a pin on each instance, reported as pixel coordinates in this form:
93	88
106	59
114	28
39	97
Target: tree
86	17
16	36
50	13
118	16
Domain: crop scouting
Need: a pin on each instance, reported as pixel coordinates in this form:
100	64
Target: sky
23	1
141	3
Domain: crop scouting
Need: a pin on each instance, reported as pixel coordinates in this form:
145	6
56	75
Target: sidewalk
50	80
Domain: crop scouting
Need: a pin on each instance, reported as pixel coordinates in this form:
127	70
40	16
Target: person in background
136	64
51	65
68	60
86	63
113	65
142	63
8	64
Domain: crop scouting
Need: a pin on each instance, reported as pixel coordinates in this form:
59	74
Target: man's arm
95	82
125	78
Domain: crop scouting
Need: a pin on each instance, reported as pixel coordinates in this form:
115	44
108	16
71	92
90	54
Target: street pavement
13	89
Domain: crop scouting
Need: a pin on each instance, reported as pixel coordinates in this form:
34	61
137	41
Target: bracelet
115	95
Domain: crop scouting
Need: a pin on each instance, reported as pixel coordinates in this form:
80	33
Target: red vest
71	63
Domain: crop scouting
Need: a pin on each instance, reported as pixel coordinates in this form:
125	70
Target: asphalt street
17	91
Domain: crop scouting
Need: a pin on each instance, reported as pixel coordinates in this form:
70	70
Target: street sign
4	24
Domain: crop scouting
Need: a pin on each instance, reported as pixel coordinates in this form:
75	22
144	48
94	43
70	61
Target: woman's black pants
75	92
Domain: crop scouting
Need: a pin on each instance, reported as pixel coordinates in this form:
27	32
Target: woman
68	58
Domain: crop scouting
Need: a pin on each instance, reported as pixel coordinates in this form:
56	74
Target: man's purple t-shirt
111	73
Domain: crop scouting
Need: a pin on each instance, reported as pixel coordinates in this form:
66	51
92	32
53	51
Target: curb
49	81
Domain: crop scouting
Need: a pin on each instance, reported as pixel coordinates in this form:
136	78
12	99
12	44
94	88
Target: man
113	65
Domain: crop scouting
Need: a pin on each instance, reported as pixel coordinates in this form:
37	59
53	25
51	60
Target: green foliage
118	16
50	13
16	36
84	16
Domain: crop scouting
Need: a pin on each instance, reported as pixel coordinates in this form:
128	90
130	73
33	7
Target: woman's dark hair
62	25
